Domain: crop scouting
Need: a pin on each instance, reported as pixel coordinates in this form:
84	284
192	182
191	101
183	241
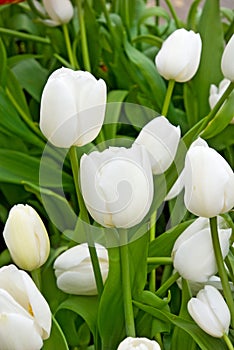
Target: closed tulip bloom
209	182
138	344
117	185
72	107
227	60
25	318
179	57
26	237
161	140
74	270
217	91
60	12
193	254
210	311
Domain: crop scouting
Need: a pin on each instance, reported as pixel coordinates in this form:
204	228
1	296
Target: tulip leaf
17	167
205	341
3	59
111	312
84	306
57	339
32	77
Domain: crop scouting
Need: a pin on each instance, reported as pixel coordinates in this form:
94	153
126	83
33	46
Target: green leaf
84	306
57	339
3	59
32	77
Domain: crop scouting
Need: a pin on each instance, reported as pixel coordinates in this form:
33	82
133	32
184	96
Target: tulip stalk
85	217
221	267
36	276
228	342
167	99
126	286
173	13
166	285
152	277
68	46
84	44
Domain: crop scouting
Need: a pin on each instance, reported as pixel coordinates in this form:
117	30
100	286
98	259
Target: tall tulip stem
126	284
221	268
84	44
85	217
36	276
167	99
68	46
173	13
228	342
152	277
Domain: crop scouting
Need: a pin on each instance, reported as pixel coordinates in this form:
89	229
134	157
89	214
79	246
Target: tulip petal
60	11
227	60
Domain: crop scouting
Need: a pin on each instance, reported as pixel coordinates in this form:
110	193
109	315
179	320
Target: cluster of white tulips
117	186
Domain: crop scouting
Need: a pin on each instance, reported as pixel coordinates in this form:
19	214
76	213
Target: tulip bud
60	12
117	185
209	182
227	60
74	270
193	254
161	140
210	311
26	237
25	315
72	107
138	343
217	92
179	57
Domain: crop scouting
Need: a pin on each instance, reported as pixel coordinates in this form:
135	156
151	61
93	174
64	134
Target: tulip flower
193	254
74	270
179	57
25	318
210	311
117	185
60	12
217	92
72	107
161	140
138	344
26	237
227	60
209	182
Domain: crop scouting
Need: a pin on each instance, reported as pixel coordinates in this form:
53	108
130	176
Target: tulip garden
116	175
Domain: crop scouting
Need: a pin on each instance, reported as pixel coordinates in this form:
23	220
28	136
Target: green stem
161	260
221	267
84	44
25	36
36	276
167	99
169	282
173	13
107	17
85	217
228	342
68	45
25	117
152	277
126	13
126	284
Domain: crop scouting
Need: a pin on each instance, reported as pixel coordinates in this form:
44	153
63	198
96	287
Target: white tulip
161	140
210	311
26	237
138	344
209	182
72	107
60	12
25	318
193	254
227	60
217	92
74	270
117	185
179	57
